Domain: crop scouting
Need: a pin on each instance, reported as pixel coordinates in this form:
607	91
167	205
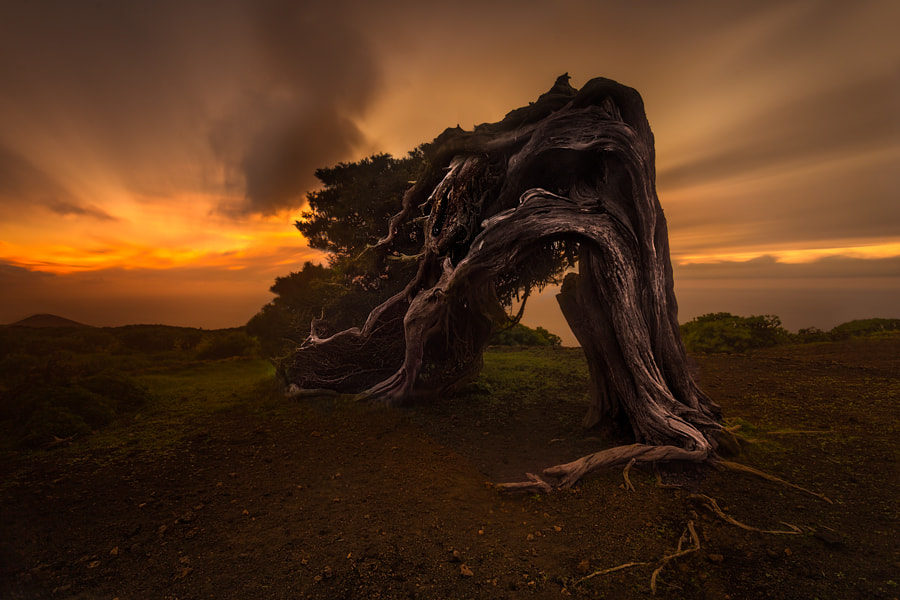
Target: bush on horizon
725	332
522	335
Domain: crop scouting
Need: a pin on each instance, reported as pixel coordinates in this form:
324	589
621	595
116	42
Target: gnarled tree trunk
571	173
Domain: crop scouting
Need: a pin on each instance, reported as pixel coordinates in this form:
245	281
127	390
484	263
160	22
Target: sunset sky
153	155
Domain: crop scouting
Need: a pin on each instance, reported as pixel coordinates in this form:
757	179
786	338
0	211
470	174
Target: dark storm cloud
319	73
269	89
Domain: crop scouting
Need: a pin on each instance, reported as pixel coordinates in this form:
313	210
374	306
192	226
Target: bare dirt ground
335	500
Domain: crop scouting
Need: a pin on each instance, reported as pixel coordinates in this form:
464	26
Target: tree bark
574	170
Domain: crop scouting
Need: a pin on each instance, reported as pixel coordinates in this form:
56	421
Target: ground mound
46	320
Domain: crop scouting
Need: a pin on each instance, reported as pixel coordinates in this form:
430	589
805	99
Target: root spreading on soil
608	571
571	473
801	432
678	552
628	484
733	466
713	506
689	534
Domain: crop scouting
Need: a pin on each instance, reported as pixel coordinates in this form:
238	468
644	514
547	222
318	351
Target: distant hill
44	320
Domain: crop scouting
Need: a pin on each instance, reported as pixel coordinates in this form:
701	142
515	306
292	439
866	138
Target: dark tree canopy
568	179
356	203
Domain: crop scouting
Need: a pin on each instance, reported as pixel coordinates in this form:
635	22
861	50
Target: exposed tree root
607	572
733	466
801	432
294	391
628	484
534	484
59	442
712	505
690	533
570	473
679	552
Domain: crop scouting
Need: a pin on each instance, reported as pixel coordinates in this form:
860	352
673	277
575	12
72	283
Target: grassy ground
220	488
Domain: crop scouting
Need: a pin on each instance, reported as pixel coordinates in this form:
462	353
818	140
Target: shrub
865	327
521	335
96	410
810	335
227	344
124	391
724	332
49	421
151	338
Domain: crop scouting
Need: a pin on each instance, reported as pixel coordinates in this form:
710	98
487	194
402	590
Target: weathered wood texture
574	168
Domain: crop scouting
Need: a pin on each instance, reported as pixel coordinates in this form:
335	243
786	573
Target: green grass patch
70	382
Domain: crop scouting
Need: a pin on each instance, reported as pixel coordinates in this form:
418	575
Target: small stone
788	552
93	564
114	551
481	532
832	540
529	537
456	556
584	567
557	528
465	571
715	558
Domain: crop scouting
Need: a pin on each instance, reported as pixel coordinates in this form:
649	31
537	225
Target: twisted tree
568	179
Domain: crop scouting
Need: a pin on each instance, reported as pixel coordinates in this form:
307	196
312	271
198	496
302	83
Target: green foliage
47	340
865	327
150	339
342	295
49	421
299	298
355	205
127	393
521	335
59	382
724	332
811	335
227	343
